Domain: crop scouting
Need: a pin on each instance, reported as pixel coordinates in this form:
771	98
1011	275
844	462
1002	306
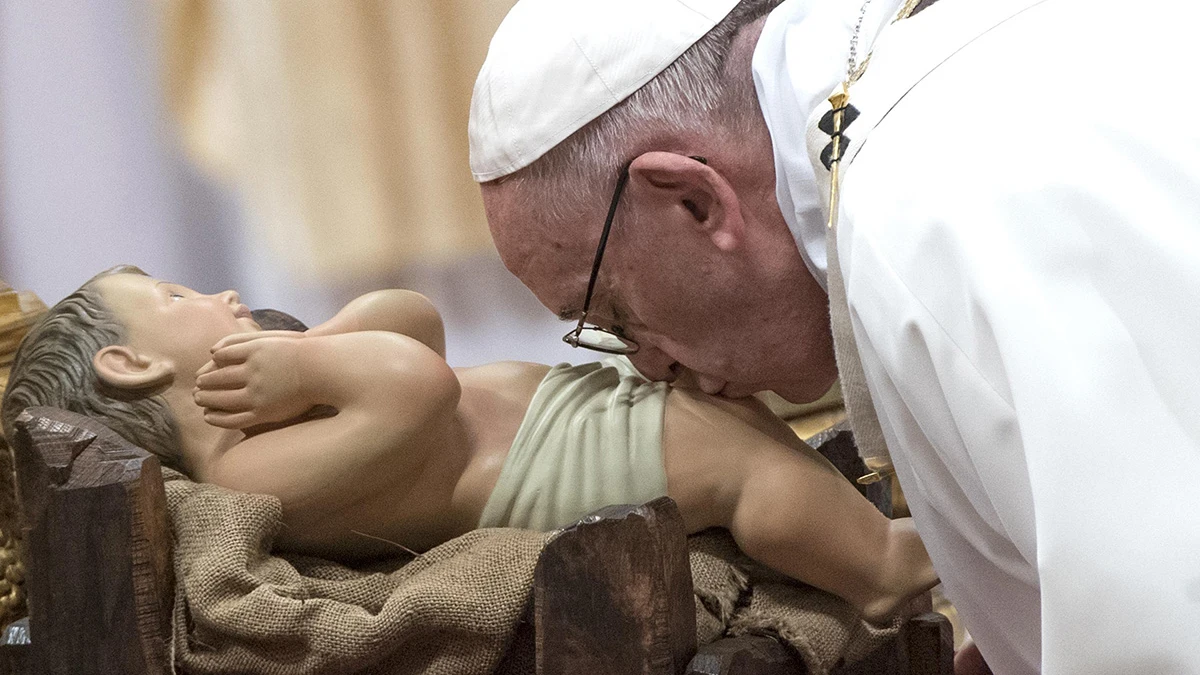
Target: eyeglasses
594	337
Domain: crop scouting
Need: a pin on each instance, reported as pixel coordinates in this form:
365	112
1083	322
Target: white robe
1020	238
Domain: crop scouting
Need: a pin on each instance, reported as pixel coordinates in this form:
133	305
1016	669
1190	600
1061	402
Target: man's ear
681	191
122	368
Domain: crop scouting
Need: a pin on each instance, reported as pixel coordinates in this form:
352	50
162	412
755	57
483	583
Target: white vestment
1019	234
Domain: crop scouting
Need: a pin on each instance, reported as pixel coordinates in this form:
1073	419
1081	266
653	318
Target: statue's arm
386	388
393	310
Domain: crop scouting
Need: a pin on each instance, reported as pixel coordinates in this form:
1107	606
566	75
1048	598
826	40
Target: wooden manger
18	311
612	593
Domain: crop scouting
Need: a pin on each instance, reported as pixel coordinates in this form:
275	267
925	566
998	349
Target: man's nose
231	297
653	363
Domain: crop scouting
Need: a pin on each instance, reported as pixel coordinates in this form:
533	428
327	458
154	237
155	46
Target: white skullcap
555	65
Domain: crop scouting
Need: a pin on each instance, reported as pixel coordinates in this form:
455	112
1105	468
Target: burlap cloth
458	609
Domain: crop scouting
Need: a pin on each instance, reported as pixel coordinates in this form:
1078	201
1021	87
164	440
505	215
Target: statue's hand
253	379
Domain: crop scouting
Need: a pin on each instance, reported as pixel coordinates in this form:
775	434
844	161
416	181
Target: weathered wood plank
613	595
929	645
887	660
98	543
925	646
14	649
18	312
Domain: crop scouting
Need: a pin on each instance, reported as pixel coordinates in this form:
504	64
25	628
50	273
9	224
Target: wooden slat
923	647
18	311
929	645
97	538
14	649
613	595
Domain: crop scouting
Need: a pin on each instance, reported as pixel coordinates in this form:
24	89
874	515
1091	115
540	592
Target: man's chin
793	392
789	392
799	392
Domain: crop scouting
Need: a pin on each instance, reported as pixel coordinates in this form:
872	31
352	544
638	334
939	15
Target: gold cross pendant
834	123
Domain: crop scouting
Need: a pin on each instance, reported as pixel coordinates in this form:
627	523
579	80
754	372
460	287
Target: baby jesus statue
412	452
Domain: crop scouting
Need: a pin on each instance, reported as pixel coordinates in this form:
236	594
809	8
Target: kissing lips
710	385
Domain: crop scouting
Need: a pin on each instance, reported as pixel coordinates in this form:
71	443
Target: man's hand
253	379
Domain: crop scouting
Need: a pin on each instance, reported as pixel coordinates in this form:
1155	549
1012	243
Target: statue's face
171	321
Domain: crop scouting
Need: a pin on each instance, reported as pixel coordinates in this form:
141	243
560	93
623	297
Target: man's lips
242	312
685	378
710	385
739	391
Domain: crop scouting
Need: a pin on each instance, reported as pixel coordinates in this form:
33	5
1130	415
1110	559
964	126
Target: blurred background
299	151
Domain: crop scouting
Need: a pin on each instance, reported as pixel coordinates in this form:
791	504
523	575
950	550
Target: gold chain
840	100
905	12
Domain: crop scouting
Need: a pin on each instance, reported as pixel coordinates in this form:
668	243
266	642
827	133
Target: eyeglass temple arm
608	221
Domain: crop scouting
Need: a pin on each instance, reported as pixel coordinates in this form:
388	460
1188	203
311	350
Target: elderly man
1002	200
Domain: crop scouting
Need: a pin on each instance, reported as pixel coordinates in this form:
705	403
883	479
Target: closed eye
173	291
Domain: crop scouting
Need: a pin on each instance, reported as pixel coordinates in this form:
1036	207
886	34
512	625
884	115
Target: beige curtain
341	123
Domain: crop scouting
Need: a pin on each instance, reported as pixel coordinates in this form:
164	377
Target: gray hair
53	367
696	93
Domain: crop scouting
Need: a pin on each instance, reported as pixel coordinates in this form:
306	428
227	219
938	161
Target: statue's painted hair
53	367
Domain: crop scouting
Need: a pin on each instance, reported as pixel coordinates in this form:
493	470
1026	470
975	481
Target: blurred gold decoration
18	311
341	125
808	419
